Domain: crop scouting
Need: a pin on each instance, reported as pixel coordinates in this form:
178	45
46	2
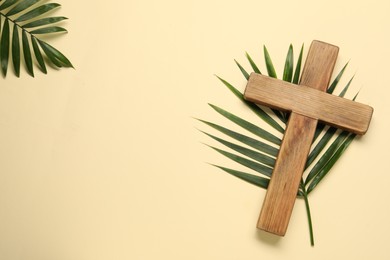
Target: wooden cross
308	104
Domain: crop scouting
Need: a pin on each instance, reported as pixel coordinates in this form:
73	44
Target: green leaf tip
337	79
289	65
243	71
344	91
252	63
297	72
268	62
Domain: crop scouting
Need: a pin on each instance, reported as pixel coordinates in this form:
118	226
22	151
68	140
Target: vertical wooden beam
295	147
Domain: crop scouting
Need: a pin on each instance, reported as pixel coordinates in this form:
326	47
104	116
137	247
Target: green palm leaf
38	56
328	134
255	108
44	21
342	94
324	160
297	72
330	90
243	71
55	55
288	72
37	12
251	178
260	168
4	47
253	65
259	157
262	159
51	29
27	54
248	126
320	146
288	65
336	80
16	50
330	163
26	16
21	6
249	141
325	157
7	4
268	62
272	73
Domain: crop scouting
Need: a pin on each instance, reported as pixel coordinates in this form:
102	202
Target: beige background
105	162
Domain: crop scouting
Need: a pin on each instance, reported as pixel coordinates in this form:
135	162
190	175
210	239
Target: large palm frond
258	154
28	19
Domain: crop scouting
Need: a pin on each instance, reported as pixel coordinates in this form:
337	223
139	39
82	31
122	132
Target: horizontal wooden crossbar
330	109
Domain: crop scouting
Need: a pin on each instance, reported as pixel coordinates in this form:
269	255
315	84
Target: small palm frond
289	65
27	18
261	160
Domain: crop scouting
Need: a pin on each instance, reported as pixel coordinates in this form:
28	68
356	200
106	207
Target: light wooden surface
330	109
289	166
283	187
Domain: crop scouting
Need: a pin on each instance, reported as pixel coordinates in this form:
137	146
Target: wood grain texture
319	65
330	109
283	187
289	166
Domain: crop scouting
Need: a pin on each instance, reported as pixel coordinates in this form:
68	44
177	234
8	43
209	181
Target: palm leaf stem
307	205
20	27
